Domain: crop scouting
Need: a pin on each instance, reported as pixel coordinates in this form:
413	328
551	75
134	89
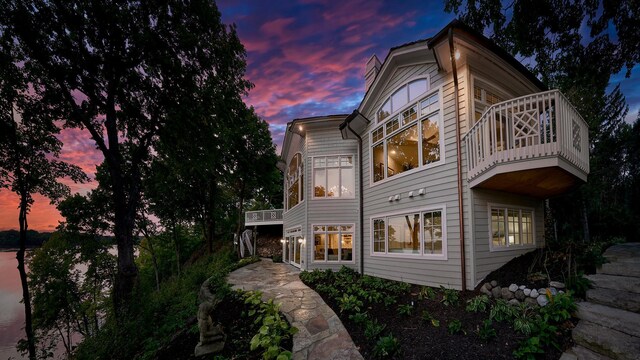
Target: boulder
514	302
520	295
526	291
513	287
494	283
486	289
522	287
506	294
531	302
556	284
553	291
496	292
534	293
542	300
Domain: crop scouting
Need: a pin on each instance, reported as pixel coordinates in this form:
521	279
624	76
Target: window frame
326	243
485	85
300	177
421	256
403	127
388	99
339	167
507	208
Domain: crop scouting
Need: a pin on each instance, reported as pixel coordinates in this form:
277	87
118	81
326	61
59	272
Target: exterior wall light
457	54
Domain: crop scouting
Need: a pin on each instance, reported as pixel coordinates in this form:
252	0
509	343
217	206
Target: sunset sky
306	58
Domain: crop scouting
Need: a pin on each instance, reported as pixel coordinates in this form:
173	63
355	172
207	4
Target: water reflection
11	309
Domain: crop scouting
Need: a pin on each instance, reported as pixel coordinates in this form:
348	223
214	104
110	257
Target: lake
11	310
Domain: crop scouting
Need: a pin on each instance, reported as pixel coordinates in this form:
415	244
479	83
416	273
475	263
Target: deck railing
528	127
264	217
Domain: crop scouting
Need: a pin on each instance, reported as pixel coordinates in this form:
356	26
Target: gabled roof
293	127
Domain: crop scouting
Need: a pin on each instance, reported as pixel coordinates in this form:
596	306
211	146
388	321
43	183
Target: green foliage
330	290
373	329
479	303
502	311
273	328
349	304
244	262
389	300
427	292
405	309
359	318
578	285
524	319
277	258
560	308
386	347
529	349
486	332
455	327
428	318
449	296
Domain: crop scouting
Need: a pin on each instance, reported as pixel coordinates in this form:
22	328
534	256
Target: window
333	242
333	177
403	143
483	98
402	97
415	233
295	181
511	228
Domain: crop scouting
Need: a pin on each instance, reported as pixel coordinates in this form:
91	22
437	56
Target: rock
522	287
212	337
542	291
520	295
513	287
494	283
534	293
560	291
531	302
496	292
506	294
485	290
514	302
542	300
556	284
554	291
526	291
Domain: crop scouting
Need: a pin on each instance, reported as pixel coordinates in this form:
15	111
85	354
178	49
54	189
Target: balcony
263	217
536	145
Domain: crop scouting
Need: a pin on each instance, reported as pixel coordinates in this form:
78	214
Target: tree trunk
28	326
175	245
154	261
127	273
585	222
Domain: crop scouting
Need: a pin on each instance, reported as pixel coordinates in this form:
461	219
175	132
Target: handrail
258	216
531	126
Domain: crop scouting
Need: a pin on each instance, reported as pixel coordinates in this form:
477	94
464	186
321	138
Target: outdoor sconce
282	241
301	240
457	54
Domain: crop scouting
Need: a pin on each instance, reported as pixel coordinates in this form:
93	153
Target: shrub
426	317
273	328
501	311
389	300
427	292
560	308
373	329
359	318
277	258
449	296
486	332
454	327
529	348
386	347
405	309
578	285
478	304
349	303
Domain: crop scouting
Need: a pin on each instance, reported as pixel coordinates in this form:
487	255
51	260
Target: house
439	177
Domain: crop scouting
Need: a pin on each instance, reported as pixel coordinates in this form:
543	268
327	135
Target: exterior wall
297	215
324	142
440	182
487	260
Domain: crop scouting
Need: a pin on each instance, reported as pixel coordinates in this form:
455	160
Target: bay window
418	233
410	139
510	228
333	242
333	177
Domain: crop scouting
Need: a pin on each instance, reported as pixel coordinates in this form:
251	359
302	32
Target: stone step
631	268
582	353
628	252
615	298
624	283
621	320
607	342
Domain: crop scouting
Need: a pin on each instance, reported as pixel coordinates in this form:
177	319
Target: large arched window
401	97
295	181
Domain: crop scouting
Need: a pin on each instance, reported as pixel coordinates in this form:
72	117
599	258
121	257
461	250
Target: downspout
459	156
360	195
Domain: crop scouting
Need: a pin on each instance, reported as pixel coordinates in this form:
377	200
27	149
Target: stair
609	326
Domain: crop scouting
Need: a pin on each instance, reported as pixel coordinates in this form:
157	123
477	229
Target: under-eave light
300	127
457	54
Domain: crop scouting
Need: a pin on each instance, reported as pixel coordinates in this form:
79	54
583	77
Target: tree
29	151
576	46
121	71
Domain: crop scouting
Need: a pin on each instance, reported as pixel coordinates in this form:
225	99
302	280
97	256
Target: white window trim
511	207
301	187
421	256
313	177
406	83
420	167
326	245
492	86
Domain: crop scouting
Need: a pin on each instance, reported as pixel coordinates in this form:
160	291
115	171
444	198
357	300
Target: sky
305	58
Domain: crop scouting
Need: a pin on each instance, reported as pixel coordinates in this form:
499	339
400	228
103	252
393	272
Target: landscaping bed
389	319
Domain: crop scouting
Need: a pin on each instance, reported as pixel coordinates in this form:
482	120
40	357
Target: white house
439	176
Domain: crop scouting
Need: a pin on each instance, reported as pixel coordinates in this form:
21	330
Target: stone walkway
321	335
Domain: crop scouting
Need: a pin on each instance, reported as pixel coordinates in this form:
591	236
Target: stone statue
212	337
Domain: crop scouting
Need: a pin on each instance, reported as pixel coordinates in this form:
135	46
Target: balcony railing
263	217
534	126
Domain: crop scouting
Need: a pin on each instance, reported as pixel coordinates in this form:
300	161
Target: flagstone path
321	334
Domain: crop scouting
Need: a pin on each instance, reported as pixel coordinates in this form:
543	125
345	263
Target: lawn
395	320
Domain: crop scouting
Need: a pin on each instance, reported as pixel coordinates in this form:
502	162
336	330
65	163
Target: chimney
370	72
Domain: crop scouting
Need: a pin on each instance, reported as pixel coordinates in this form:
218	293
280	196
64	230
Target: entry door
293	248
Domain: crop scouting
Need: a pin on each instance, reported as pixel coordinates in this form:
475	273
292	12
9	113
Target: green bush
529	349
502	311
454	327
373	329
449	296
428	318
273	328
486	332
349	303
479	303
560	308
427	292
405	309
386	347
359	318
578	285
277	258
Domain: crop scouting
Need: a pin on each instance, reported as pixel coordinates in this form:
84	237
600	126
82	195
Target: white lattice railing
263	216
533	126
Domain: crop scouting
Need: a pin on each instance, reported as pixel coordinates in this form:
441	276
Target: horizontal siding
323	142
440	182
486	260
297	215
